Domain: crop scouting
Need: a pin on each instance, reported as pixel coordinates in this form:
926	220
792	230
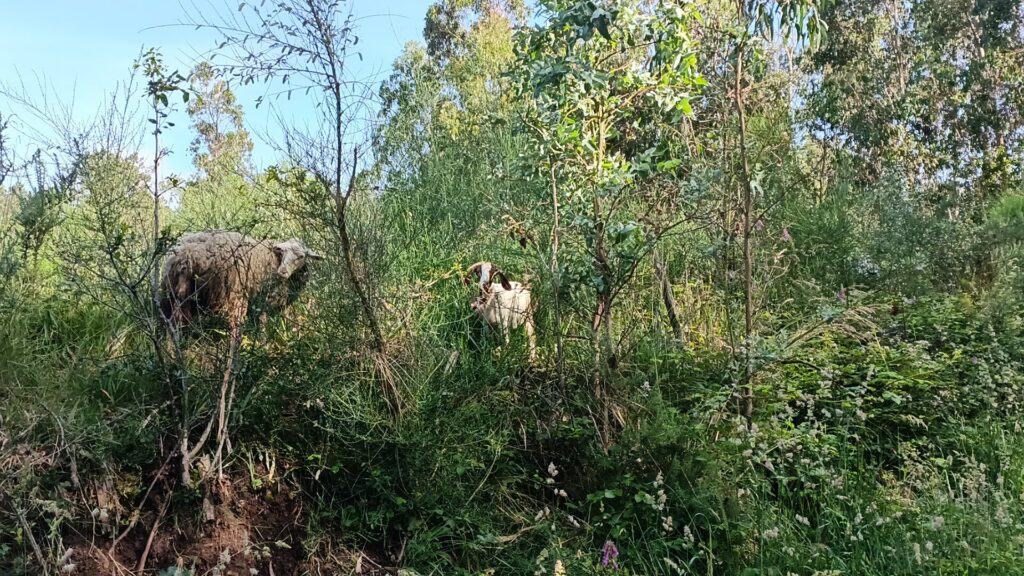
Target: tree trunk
661	271
155	272
748	257
556	276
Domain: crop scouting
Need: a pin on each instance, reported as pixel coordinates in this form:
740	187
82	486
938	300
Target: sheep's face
292	256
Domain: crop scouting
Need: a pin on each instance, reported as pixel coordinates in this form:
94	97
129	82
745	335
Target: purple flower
841	295
609	554
785	235
759	225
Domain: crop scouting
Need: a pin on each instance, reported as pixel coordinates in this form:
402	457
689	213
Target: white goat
505	306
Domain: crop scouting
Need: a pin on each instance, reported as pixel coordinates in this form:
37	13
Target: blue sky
84	48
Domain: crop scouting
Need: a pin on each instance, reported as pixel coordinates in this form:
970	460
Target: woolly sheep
219	272
505	306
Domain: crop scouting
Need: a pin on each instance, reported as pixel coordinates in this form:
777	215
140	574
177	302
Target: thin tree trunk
557	277
748	258
667	297
155	272
227	392
341	209
601	325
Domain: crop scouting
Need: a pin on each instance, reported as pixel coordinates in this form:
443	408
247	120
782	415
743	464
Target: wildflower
552	470
929	546
688	538
659	479
561	493
559	568
759	225
667	524
917	552
771	533
645	388
609	553
573	521
803	520
785	235
936	523
841	295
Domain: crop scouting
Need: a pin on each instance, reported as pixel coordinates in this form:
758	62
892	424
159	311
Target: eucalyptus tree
608	82
220	195
925	102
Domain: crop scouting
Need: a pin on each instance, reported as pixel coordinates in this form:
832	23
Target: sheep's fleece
220	271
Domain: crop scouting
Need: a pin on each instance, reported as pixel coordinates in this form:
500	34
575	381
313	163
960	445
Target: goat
505	305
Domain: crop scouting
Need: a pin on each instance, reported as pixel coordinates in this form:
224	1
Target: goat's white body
507	310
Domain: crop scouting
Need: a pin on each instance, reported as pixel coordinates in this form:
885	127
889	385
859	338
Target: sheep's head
292	256
485	273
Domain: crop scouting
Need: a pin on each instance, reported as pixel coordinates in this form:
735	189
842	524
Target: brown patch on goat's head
292	255
481	271
485	272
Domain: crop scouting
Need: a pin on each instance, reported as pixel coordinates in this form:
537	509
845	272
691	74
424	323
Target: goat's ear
504	281
313	255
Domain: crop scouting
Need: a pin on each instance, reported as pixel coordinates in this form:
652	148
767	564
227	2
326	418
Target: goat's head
477	304
486	273
291	256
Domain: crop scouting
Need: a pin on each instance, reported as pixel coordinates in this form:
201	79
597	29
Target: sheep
219	272
505	306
